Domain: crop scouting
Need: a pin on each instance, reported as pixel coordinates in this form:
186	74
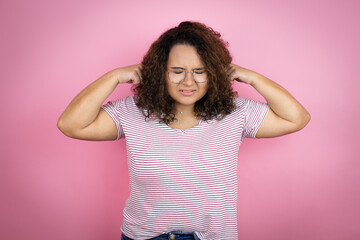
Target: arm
286	114
84	118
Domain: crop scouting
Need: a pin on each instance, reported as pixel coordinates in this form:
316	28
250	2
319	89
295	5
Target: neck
184	110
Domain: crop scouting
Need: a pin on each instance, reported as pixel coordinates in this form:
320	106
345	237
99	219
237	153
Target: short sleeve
255	113
113	108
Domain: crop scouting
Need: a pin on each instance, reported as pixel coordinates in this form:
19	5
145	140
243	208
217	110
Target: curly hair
151	94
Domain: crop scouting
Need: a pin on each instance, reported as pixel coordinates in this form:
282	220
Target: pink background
302	186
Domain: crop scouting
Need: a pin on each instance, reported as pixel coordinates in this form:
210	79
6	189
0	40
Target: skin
286	115
186	57
84	118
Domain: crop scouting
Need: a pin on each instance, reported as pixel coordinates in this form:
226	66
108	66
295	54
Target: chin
188	103
186	100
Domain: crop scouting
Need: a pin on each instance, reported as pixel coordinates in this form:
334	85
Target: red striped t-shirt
183	180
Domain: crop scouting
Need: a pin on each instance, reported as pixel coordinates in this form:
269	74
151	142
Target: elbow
62	126
303	120
306	118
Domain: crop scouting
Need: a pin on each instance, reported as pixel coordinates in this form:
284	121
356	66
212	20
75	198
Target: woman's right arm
84	118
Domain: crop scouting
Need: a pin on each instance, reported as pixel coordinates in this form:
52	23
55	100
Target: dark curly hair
151	94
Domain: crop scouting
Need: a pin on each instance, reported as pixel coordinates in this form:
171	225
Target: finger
138	76
230	71
138	71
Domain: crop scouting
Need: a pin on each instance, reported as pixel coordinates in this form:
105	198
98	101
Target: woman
183	129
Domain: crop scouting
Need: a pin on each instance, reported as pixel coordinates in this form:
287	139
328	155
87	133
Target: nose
189	80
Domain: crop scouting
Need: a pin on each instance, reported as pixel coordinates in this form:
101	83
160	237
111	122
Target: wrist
111	77
115	76
252	79
255	79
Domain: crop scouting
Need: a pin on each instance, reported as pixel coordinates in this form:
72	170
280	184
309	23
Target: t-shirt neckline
182	131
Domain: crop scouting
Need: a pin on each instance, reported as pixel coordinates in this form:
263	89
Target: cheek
205	88
171	89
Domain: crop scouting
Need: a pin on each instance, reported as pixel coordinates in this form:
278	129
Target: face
187	92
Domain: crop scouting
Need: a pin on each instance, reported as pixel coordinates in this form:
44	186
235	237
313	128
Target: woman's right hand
129	74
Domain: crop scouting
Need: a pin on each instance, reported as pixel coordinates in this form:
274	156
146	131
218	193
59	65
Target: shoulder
247	107
248	103
240	102
239	111
123	105
243	103
125	102
128	101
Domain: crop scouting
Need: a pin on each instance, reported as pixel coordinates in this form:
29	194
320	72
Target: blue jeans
174	235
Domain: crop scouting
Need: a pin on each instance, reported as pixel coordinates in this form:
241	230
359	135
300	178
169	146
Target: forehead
184	56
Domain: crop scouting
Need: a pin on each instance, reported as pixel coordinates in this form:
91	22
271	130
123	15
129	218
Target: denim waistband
173	235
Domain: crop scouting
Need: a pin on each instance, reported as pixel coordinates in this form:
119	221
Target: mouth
187	92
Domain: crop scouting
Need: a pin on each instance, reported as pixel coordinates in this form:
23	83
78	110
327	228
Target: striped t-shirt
183	180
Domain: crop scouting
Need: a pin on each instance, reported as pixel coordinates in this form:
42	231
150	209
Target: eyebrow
202	68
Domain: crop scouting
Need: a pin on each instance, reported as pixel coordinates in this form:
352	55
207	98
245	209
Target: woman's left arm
286	114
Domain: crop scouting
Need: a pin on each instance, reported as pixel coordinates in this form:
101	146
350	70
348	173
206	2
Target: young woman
183	129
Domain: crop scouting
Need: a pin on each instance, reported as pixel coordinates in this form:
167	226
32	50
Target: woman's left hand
241	74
